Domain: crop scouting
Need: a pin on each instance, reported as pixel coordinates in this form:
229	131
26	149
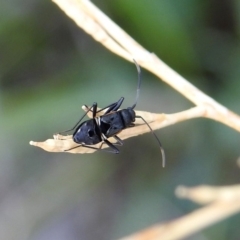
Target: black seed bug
113	121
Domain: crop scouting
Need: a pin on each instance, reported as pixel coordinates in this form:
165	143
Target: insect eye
90	133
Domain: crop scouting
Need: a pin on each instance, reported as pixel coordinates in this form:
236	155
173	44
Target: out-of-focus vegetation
49	68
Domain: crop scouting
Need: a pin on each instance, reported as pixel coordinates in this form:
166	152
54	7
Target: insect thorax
112	123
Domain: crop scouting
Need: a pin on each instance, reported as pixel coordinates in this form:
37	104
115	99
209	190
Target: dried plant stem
104	30
222	201
207	194
189	224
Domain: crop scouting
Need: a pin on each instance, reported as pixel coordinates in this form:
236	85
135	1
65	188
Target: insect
109	124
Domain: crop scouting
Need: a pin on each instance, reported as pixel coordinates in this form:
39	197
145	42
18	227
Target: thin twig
97	24
207	194
224	201
104	30
190	223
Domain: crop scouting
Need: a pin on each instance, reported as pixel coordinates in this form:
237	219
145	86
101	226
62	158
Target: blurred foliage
49	68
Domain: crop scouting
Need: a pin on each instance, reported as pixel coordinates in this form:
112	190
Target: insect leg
94	106
119	140
114	149
159	143
112	107
94	111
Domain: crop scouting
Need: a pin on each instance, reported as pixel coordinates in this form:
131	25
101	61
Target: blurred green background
49	68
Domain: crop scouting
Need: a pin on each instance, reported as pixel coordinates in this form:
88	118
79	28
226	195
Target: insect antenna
159	143
134	105
139	84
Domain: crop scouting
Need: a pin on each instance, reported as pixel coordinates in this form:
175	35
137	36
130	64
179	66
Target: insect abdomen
115	122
